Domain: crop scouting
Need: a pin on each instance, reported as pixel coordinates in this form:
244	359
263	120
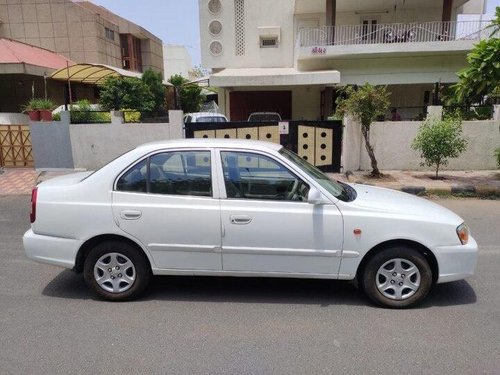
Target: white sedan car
223	207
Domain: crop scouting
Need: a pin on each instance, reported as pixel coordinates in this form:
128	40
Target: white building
176	60
289	55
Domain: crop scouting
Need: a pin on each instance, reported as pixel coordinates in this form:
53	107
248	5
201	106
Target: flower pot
34	115
45	115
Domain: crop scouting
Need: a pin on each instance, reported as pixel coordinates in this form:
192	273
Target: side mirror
315	196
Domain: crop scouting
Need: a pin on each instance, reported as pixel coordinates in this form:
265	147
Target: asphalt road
51	323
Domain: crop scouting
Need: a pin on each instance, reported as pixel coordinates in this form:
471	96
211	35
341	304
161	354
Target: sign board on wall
283	126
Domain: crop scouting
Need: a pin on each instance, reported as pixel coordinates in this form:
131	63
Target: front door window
255	176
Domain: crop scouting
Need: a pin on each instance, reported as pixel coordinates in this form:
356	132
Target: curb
457	190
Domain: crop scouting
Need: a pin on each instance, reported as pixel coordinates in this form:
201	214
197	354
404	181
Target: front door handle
130	214
240	219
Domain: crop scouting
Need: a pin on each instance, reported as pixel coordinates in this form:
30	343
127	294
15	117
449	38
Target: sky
177	21
173	21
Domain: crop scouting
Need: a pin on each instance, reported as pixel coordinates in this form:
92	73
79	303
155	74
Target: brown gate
15	146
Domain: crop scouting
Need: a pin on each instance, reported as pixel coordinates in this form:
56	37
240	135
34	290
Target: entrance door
166	202
268	226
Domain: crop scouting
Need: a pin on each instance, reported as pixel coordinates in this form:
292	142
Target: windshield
338	189
264	117
211	119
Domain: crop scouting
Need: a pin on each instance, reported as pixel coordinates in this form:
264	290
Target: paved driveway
50	323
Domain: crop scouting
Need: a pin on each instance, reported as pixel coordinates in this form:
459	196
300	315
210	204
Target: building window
239	26
110	34
131	52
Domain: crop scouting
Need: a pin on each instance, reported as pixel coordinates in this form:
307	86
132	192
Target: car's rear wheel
116	271
397	277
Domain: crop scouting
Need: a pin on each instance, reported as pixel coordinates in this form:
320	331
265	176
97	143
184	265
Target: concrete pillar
496	112
65	117
176	124
116	117
435	112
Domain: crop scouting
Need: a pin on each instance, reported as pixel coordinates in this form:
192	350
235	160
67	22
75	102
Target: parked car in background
264	116
204	117
76	107
222	207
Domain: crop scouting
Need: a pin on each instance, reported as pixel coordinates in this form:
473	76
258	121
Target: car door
268	225
166	201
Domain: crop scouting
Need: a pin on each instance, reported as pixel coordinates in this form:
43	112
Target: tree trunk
369	149
437	169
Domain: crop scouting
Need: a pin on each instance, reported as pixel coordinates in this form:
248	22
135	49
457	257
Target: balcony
397	38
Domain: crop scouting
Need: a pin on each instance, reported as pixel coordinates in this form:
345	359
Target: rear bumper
52	250
456	262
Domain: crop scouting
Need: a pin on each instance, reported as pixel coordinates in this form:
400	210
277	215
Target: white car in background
264	116
204	117
222	207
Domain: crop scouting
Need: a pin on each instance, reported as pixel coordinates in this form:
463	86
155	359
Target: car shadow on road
450	294
256	290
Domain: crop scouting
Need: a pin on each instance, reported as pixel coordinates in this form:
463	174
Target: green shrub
497	156
129	115
56	116
439	140
82	113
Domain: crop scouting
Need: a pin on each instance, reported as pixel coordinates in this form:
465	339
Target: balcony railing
393	33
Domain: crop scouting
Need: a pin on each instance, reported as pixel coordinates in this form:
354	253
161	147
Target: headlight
463	233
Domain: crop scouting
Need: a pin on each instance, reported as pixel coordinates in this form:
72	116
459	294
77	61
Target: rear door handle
240	219
130	214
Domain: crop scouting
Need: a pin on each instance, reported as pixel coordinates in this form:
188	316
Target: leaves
482	77
439	140
190	95
144	95
365	104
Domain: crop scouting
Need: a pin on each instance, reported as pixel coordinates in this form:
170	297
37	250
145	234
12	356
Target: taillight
34	194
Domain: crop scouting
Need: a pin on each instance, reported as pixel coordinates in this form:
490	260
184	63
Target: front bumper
456	262
52	250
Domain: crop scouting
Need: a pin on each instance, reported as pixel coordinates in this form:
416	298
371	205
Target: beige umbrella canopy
93	73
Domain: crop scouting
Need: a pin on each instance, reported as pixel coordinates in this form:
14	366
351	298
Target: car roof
264	113
211	142
213	114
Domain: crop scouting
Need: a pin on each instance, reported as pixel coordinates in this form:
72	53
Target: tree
189	96
126	92
154	82
439	140
482	76
365	104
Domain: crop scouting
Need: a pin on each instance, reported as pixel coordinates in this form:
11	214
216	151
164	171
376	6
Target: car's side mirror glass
315	196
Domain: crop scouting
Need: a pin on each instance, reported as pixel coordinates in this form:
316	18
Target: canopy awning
93	73
273	77
22	58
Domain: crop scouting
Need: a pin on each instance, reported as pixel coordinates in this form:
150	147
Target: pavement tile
17	181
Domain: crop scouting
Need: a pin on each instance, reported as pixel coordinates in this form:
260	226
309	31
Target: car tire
117	271
397	277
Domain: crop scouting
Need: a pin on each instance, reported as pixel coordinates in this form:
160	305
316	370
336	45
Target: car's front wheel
116	271
397	277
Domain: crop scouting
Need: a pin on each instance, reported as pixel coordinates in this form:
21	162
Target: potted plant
31	108
39	109
45	107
